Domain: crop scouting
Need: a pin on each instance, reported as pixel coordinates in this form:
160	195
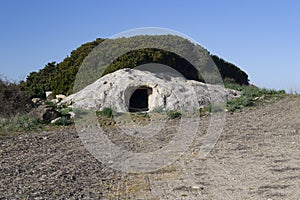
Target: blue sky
262	37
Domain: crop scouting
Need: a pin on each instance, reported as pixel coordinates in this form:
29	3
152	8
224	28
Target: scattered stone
196	187
72	115
60	97
36	101
259	98
49	95
55	120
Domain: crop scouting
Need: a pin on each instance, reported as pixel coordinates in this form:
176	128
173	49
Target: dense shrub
60	77
13	99
230	71
37	83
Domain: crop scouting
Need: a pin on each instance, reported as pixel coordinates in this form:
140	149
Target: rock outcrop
135	90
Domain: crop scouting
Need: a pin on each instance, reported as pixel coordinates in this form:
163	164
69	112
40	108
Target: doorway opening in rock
139	100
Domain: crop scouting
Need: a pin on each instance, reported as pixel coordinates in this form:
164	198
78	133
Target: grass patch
19	123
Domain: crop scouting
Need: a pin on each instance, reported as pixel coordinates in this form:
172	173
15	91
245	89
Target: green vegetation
37	83
13	99
231	72
251	96
158	109
107	112
22	122
19	123
143	114
50	103
63	121
173	114
60	77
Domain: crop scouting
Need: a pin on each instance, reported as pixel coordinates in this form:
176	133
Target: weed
158	109
203	111
107	112
50	103
63	121
173	114
65	111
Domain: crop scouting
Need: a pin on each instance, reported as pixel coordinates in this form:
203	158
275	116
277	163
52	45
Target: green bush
65	111
13	99
60	77
50	103
107	112
239	103
63	121
251	91
173	114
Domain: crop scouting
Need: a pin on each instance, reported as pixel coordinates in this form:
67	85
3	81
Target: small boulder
72	115
49	95
60	97
55	101
44	113
36	101
55	120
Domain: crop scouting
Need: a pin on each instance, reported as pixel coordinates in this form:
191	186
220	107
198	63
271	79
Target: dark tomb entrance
139	100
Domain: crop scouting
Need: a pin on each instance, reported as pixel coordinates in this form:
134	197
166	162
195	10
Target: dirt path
256	157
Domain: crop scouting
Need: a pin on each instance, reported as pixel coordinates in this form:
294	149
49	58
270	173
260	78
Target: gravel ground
256	157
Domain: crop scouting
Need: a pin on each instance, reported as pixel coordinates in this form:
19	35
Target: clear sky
262	37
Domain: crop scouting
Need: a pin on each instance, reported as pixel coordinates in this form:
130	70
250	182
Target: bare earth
256	157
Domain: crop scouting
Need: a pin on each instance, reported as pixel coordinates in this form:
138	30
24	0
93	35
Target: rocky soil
256	157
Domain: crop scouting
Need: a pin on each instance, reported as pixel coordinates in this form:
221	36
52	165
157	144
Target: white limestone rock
164	91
